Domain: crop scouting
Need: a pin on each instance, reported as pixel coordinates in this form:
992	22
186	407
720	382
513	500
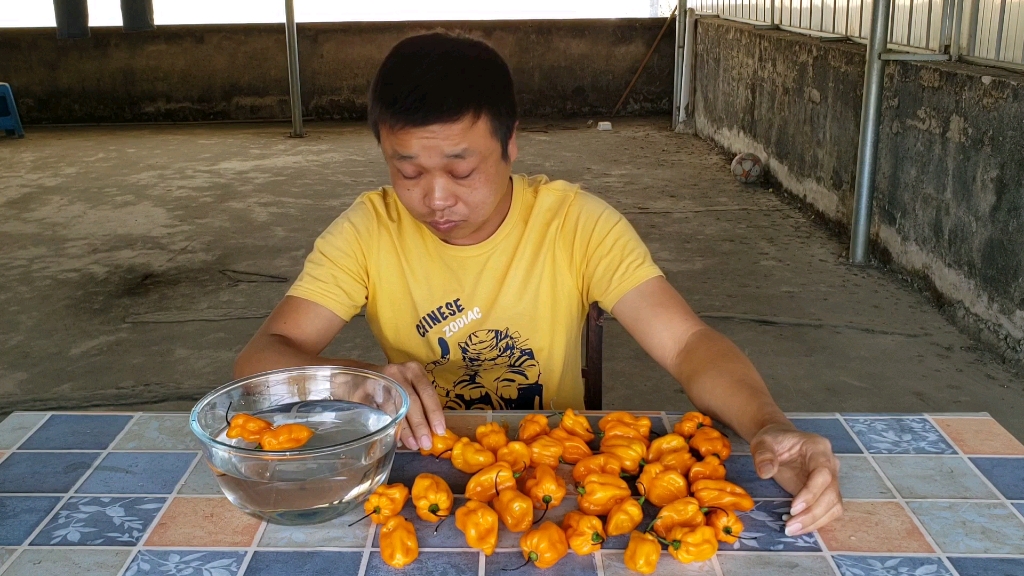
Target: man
476	282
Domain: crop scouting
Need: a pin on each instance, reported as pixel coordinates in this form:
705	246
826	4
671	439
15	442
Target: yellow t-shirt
497	324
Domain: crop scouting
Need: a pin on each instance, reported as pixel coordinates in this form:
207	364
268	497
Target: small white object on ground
604	125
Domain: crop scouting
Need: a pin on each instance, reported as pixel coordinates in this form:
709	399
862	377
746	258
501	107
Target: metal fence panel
987	31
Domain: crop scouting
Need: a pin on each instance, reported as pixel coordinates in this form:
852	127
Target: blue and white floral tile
899	436
100	522
850	565
186	563
764	529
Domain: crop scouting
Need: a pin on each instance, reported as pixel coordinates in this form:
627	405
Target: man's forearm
721	382
272	351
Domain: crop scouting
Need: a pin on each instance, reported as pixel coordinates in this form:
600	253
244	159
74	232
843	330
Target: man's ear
513	146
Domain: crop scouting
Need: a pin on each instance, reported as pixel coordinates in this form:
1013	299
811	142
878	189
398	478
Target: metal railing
989	32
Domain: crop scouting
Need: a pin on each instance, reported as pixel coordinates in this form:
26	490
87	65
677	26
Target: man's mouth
444	225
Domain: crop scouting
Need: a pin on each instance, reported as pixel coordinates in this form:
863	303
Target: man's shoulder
564	196
370	208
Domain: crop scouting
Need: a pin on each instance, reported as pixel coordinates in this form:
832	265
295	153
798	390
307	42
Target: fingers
416	429
817	503
766	463
824	510
817	483
428	397
414	433
766	457
405	437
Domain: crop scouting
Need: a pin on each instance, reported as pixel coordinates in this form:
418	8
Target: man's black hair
439	78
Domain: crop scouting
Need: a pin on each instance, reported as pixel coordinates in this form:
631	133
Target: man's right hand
425	412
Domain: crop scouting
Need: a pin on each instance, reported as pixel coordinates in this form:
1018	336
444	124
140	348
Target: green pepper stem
228	411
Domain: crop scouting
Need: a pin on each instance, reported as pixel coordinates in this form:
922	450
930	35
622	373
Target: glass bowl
354	414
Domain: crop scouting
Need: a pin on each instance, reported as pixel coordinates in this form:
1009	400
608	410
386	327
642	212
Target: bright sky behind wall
39	13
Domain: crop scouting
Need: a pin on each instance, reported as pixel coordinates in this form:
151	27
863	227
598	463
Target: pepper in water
286	437
246	427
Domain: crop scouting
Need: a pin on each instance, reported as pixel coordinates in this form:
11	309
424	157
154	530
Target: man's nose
439	198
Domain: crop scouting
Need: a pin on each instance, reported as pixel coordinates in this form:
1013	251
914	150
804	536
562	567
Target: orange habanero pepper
681	461
709	441
684	512
432	497
441	446
515	510
480	525
246	427
641	424
690	423
398	544
727	525
544	546
642	553
574	448
630	452
602	463
624	517
666	445
470	457
491	436
545	450
532	426
545	489
485	484
721	494
600	492
576	425
661	485
516	454
286	437
386	501
620	430
692	544
710	468
584	532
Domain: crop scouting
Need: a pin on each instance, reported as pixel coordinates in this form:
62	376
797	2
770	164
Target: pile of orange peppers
682	473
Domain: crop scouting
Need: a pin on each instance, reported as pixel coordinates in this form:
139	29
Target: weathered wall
182	73
949	199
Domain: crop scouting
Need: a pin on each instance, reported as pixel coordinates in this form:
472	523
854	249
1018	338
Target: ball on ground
747	168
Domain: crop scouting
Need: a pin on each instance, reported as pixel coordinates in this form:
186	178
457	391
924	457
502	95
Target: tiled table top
111	494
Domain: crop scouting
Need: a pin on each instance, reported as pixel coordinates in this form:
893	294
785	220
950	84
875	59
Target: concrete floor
139	260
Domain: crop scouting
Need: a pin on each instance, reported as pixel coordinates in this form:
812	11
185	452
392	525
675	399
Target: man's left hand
803	464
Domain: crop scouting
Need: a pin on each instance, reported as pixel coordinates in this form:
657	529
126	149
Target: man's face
452	177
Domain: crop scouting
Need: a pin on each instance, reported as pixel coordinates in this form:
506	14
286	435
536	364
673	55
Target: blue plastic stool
9	120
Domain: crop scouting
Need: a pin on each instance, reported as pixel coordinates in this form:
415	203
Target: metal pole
870	118
678	75
686	92
954	42
293	69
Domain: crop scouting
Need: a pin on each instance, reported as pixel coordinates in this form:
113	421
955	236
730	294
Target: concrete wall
949	200
183	73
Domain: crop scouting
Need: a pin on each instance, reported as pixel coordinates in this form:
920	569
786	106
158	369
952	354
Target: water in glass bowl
304	491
